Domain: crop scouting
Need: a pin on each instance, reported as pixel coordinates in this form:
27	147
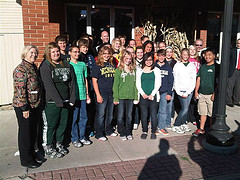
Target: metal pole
219	136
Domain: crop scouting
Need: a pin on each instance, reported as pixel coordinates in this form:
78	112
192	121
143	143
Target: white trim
89	30
220	46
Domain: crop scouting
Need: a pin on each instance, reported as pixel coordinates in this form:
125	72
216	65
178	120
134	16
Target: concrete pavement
104	156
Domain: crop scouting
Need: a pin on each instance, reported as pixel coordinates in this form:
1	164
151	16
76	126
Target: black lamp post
219	139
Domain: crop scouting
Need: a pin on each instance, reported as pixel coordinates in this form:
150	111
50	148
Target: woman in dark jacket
26	100
58	80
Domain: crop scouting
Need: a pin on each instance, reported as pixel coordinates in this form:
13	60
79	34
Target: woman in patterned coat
26	100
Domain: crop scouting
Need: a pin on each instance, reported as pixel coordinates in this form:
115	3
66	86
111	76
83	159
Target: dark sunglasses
198	44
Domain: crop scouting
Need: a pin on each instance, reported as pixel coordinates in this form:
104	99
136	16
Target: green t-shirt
207	76
80	71
147	82
61	77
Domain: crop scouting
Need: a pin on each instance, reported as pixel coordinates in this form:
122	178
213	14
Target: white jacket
157	84
184	78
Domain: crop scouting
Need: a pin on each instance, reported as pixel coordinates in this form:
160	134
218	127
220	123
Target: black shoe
230	105
238	104
33	165
153	136
144	135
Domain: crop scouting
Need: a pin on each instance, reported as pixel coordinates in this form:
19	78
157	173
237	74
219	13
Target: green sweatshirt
124	86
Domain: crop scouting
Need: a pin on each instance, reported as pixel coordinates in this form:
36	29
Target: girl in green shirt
124	94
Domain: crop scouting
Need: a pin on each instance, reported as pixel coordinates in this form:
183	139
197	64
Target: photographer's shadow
161	165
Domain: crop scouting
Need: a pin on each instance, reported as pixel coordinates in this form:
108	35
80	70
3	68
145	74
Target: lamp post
219	140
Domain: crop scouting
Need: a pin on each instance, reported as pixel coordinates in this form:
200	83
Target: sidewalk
167	157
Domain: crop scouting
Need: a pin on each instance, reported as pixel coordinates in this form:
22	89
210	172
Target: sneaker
163	131
144	135
52	153
185	127
91	134
113	134
61	149
198	132
123	138
153	136
77	144
102	139
177	129
135	126
85	142
130	137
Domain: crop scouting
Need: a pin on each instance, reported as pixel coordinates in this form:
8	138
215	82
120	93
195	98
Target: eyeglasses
198	44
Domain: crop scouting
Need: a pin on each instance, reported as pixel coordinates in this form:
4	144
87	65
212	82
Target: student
138	63
102	78
116	45
90	63
148	84
193	116
82	97
184	83
148	47
165	92
194	58
162	45
205	89
61	42
132	43
123	40
124	93
170	105
59	85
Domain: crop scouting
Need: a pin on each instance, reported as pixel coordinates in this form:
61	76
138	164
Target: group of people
111	91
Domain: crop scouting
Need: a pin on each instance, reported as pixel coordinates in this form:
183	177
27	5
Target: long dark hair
145	57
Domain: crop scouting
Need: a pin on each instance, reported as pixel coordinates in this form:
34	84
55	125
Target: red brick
37	11
29	7
42	15
30	23
36	27
29	15
36	19
36	35
42	7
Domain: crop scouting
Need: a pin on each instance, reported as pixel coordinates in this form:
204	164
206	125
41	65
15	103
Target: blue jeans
182	115
104	116
163	112
125	107
136	114
79	121
151	107
170	111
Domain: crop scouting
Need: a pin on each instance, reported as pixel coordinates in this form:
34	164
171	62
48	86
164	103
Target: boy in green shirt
205	90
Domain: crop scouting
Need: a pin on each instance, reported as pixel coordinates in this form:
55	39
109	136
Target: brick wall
138	36
203	36
37	29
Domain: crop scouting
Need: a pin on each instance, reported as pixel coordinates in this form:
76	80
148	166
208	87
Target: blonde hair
100	60
26	49
122	64
114	42
47	53
196	54
184	49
